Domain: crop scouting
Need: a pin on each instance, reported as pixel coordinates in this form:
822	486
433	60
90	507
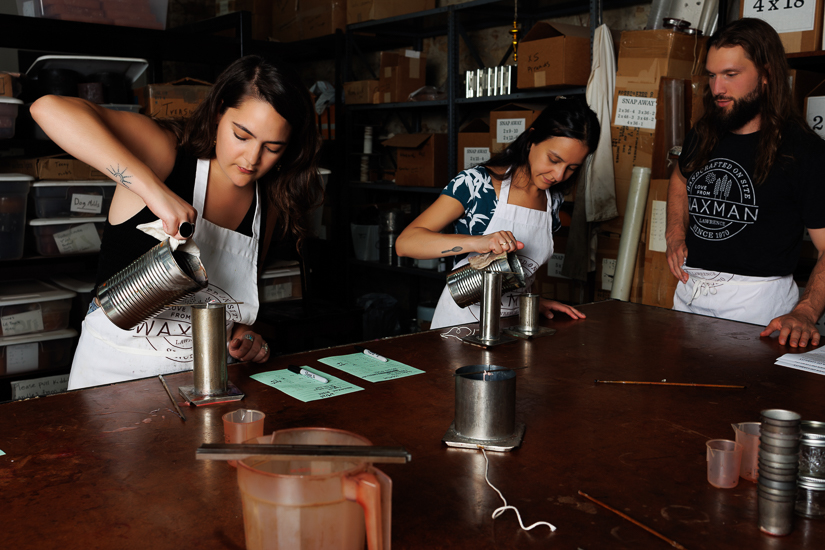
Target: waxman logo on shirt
721	200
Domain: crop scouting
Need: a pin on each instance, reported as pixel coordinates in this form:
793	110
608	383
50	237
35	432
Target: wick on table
691	384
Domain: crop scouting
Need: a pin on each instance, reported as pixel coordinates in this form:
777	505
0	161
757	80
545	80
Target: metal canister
485	402
158	278
209	348
465	283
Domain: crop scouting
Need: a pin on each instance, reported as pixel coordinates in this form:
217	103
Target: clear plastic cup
724	459
242	425
747	433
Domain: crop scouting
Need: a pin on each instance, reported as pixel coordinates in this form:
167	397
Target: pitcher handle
373	491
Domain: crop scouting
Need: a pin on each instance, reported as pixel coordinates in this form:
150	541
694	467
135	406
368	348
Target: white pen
372	354
303	372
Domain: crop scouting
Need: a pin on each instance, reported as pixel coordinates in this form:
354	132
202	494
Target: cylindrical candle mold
485	402
528	311
491	306
631	231
209	348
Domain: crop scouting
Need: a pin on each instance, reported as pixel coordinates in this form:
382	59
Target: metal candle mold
466	282
490	322
528	319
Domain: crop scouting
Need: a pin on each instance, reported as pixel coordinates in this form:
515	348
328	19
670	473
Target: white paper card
81	238
783	15
554	266
23	389
223	7
273	293
508	129
22	323
815	115
608	272
658	224
475	155
636	112
22	358
87	204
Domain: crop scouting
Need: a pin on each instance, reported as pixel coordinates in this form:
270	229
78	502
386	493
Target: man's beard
741	112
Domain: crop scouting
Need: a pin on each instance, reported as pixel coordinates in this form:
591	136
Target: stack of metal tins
778	470
810	500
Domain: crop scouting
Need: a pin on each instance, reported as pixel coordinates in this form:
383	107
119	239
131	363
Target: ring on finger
249	337
265	347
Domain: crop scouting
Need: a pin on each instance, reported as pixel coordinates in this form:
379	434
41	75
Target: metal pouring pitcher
466	282
148	284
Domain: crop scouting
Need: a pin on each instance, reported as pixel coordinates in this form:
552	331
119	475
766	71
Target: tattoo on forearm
120	175
453	249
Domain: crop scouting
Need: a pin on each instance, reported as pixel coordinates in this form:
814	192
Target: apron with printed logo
756	300
162	344
532	227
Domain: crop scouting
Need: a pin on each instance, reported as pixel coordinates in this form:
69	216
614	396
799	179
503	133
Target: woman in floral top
508	204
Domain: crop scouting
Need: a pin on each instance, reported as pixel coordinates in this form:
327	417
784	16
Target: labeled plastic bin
28	307
32	352
280	283
14	188
8	116
147	14
83	285
67	199
62	236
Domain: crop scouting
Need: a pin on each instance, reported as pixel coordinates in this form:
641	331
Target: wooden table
112	467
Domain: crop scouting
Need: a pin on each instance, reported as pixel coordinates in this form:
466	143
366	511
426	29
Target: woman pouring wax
508	204
240	169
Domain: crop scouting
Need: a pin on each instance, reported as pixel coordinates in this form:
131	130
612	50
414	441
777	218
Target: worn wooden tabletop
113	467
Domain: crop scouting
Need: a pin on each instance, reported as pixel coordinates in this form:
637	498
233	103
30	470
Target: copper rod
175	403
668	384
673	543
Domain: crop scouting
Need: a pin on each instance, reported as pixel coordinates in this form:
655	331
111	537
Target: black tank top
123	243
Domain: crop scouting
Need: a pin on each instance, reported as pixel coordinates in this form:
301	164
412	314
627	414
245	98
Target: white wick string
500	510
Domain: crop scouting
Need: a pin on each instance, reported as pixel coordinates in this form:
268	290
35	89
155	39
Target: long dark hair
564	117
294	187
763	47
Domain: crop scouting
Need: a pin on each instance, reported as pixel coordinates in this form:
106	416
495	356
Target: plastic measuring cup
724	458
314	504
242	425
747	433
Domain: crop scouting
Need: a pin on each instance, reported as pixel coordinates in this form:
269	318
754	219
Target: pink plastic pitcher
314	505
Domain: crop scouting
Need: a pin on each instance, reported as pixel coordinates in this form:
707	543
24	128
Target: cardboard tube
631	230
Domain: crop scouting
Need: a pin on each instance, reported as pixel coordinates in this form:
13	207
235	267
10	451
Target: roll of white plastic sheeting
631	231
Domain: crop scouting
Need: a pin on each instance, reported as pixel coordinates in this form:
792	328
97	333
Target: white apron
756	300
163	344
532	227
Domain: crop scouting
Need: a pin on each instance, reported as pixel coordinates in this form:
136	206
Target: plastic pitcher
314	505
747	434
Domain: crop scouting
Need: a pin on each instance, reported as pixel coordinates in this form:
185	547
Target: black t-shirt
123	243
738	227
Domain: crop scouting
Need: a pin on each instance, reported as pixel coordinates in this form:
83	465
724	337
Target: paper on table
2	453
369	369
302	388
811	361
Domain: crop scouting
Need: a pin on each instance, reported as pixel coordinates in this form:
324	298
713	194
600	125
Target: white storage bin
66	199
49	350
280	283
33	306
8	116
61	236
13	191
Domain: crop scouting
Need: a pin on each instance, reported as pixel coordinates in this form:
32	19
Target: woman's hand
249	346
171	209
547	307
498	242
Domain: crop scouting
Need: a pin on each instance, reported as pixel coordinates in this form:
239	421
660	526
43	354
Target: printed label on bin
608	272
22	389
658	224
87	204
81	238
22	323
636	112
475	155
508	129
22	358
554	266
783	16
273	293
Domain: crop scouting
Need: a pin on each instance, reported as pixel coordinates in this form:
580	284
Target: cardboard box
361	92
368	10
261	11
400	75
473	144
798	23
607	252
292	20
421	159
659	284
6	85
58	167
177	99
508	122
553	54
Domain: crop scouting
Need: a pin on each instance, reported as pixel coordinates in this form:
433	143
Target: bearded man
749	182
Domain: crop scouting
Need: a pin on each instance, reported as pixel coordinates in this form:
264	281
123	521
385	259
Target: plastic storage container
61	236
33	306
8	115
83	285
280	283
13	191
147	14
49	350
66	199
